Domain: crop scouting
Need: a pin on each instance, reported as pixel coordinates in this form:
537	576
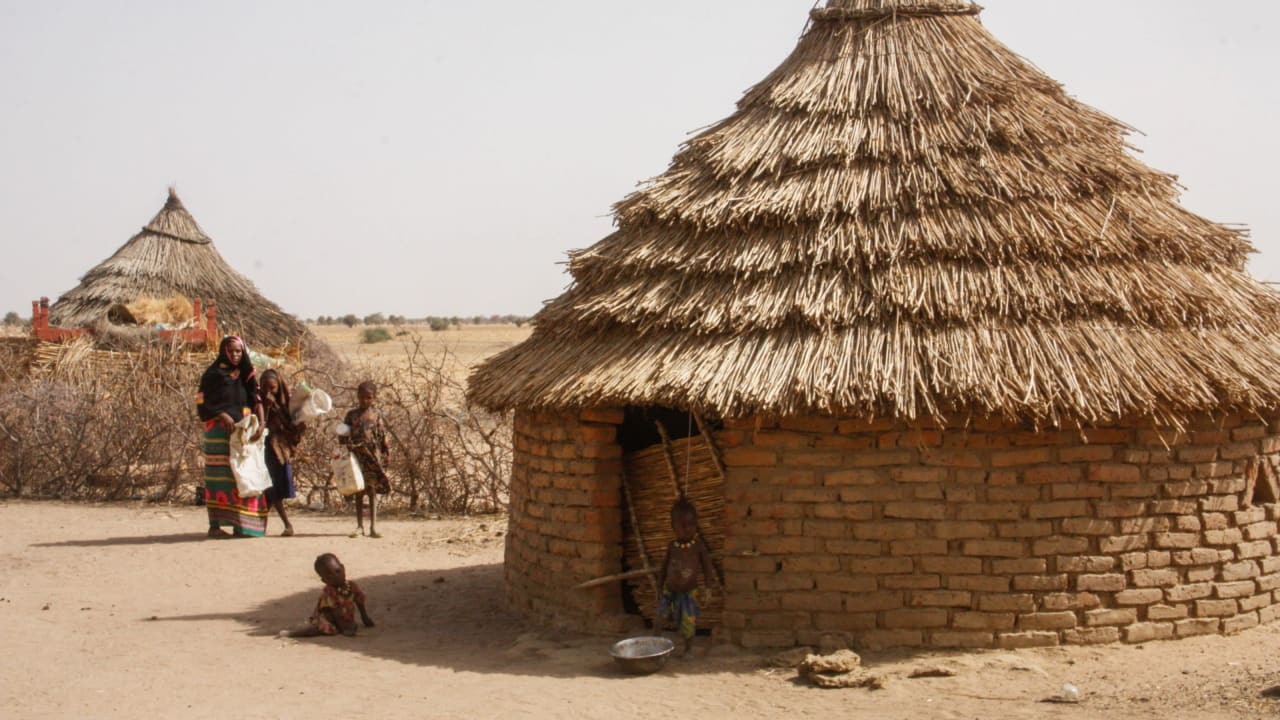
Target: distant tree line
434	322
13	319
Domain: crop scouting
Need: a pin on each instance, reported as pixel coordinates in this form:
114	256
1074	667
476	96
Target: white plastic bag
346	472
249	459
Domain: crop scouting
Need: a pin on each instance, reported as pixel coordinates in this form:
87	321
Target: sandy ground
466	344
126	612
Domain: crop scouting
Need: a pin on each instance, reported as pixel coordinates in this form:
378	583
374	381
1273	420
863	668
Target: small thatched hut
941	361
170	257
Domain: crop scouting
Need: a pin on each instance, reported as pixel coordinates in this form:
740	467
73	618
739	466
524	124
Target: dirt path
121	612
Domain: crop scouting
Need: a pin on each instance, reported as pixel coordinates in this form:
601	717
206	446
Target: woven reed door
652	490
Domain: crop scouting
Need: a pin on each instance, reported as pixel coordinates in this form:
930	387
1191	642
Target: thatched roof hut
905	219
962	371
170	256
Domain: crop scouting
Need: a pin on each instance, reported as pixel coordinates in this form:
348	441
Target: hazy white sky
432	157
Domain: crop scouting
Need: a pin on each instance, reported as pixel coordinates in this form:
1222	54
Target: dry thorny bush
446	457
98	426
106	427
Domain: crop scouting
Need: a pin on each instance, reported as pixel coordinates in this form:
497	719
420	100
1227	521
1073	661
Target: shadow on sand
171	539
457	619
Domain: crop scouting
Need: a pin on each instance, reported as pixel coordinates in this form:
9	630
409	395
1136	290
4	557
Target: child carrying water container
368	444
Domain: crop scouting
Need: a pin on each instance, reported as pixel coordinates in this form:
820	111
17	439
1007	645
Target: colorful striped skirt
226	508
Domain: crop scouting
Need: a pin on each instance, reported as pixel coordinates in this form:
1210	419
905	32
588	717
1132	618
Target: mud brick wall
996	535
565	525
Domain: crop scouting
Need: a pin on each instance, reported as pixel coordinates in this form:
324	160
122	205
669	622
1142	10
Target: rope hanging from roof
836	14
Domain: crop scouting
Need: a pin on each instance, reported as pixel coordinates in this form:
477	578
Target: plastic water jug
317	403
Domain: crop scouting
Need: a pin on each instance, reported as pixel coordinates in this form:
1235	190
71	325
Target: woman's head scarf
243	371
282	390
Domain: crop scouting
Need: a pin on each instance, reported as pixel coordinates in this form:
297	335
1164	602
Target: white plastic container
346	473
317	403
299	396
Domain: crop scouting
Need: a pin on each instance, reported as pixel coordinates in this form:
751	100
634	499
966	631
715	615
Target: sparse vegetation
122	426
375	335
434	322
101	429
446	456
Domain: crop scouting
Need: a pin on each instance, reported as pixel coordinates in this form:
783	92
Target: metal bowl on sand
642	655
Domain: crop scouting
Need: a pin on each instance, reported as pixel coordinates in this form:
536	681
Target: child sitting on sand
687	555
336	609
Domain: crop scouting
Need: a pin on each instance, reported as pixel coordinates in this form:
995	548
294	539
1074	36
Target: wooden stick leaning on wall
671	460
644	554
616	577
712	450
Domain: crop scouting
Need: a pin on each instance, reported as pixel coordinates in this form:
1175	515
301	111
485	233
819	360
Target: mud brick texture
972	533
565	525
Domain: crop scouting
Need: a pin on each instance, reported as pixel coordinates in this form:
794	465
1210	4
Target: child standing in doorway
687	557
368	443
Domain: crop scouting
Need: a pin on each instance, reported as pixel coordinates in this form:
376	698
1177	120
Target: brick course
986	534
565	522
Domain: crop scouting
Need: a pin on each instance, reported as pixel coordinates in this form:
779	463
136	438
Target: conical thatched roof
172	255
905	219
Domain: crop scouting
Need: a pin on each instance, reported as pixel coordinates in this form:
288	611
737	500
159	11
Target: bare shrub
98	425
446	457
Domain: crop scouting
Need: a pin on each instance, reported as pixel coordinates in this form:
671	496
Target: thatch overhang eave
1072	372
1078	169
1154	295
762	141
1092	229
693	194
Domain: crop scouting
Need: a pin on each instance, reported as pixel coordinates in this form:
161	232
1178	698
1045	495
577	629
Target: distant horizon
387	319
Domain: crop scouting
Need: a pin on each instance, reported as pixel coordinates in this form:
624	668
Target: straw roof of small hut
905	219
173	256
